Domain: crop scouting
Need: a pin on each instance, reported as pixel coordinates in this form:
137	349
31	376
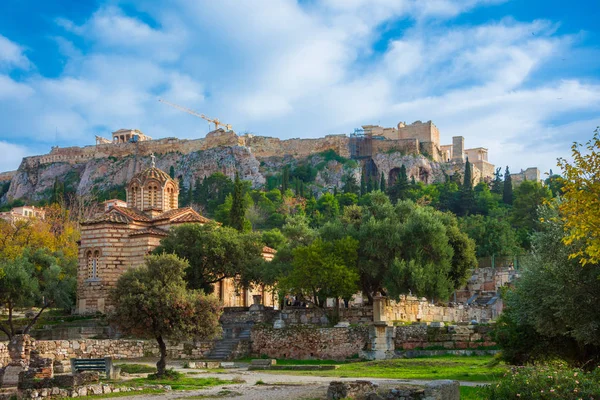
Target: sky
519	77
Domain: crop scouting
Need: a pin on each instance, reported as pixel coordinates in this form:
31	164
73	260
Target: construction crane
197	114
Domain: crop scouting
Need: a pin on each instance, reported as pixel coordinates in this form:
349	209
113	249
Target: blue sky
520	77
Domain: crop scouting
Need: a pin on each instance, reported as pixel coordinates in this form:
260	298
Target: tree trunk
161	365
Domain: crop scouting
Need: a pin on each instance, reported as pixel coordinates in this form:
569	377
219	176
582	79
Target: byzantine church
120	238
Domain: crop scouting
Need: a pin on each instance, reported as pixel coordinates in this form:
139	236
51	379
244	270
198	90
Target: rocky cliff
103	167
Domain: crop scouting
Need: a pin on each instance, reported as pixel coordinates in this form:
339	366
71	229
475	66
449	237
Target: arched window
135	194
92	264
153	195
171	198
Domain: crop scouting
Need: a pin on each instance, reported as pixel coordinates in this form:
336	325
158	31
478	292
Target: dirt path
270	387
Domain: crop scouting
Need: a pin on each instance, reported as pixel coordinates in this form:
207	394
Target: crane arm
196	114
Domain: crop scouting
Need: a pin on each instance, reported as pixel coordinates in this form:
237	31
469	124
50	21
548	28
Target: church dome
151	173
152	191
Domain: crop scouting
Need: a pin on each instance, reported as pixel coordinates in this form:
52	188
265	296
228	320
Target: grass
471	393
462	368
137	368
123	394
182	383
286	361
222	393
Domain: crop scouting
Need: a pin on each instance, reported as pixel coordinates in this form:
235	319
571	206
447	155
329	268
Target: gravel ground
275	386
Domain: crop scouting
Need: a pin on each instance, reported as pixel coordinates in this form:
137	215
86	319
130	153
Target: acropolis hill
377	150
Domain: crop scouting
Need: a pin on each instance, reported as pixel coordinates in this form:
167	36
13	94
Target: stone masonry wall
61	350
459	336
309	342
412	309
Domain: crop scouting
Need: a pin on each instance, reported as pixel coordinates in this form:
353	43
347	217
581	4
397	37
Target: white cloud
12	55
11	156
278	68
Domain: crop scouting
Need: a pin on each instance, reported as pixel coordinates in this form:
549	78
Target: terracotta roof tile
267	249
186	214
132	213
108	217
150	231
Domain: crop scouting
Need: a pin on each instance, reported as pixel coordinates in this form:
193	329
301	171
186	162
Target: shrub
553	381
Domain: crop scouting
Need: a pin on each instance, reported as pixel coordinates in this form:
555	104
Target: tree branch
34	320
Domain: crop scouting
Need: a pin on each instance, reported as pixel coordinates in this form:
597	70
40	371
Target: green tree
551	313
528	196
507	193
238	209
36	278
582	199
382	183
286	179
214	253
497	187
493	235
466	204
350	184
363	184
172	172
152	301
273	238
324	270
399	189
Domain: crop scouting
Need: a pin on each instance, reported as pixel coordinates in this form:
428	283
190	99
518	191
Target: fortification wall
422	131
405	146
263	147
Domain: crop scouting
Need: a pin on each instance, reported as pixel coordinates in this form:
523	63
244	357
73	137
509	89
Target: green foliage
113	192
391	241
350	185
497	186
37	277
214	253
550	313
238	209
273	238
323	269
529	195
172	172
552	381
212	191
398	190
493	235
507	192
152	301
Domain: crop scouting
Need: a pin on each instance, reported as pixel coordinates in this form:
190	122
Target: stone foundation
309	343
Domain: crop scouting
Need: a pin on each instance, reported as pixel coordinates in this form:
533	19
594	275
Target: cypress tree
182	193
363	185
172	172
197	193
238	211
285	182
335	190
370	184
468	180
382	183
507	194
413	182
497	183
467	195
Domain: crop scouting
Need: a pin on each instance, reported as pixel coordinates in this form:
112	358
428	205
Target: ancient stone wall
460	336
412	309
62	350
422	131
309	342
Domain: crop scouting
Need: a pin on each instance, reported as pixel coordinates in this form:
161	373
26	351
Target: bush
170	374
553	381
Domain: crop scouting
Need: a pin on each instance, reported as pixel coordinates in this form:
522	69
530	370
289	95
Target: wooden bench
92	364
